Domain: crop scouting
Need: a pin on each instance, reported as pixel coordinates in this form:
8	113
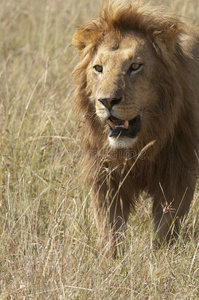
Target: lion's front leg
168	212
111	215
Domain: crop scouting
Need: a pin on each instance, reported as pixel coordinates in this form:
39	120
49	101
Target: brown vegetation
48	246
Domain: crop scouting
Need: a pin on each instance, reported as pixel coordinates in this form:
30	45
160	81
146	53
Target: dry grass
48	246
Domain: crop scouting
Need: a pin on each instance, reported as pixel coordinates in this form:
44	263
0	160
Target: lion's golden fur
166	169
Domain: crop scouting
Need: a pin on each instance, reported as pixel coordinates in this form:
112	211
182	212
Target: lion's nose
110	102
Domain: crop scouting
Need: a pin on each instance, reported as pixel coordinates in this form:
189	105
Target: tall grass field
48	237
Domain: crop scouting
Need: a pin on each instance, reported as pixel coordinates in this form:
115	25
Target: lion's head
119	78
133	75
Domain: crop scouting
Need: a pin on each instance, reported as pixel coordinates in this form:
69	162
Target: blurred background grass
48	246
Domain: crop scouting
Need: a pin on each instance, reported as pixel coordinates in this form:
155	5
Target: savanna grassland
48	247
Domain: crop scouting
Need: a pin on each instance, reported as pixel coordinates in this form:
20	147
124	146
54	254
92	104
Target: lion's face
122	86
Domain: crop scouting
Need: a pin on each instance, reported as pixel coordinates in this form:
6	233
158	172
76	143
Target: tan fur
162	159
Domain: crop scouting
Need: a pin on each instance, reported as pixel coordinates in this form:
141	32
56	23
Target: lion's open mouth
124	127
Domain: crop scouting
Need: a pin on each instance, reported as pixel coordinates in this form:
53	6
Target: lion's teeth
111	124
126	124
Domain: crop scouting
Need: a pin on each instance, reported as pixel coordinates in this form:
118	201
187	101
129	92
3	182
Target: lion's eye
135	66
98	68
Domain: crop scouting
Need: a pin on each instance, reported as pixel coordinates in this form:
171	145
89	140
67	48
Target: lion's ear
170	32
86	35
167	39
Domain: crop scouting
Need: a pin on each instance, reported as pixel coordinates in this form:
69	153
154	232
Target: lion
136	99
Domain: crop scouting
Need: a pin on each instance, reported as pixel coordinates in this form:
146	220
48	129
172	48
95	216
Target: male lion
137	98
